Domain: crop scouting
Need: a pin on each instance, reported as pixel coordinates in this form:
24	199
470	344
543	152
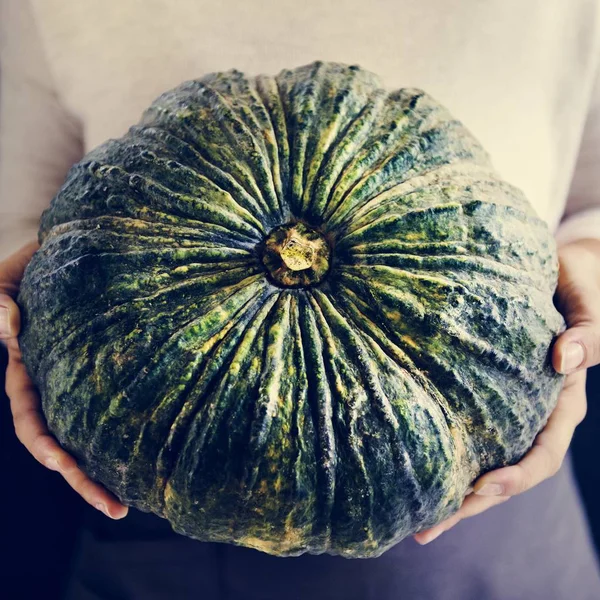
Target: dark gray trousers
533	547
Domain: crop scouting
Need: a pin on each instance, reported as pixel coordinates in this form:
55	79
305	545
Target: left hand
577	348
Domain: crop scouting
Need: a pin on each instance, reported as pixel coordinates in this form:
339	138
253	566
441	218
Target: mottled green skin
336	418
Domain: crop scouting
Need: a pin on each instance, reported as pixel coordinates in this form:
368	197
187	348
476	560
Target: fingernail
52	464
432	535
4	322
573	356
490	489
102	508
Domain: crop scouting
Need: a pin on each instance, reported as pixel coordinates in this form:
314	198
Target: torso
519	75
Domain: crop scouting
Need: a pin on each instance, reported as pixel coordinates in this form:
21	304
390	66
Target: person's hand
576	349
29	422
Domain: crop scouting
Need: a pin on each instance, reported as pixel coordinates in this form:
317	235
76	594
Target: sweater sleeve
39	138
581	218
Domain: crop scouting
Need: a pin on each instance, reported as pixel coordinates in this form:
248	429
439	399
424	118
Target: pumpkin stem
296	255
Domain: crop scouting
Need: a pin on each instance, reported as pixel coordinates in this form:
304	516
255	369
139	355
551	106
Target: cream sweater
519	73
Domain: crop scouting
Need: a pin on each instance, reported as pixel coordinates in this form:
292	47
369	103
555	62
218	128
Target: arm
581	219
39	141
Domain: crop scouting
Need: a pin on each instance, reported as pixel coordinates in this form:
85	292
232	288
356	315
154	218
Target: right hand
29	422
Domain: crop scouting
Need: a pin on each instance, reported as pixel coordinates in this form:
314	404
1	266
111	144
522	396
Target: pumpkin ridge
239	175
437	370
312	133
375	395
256	229
410	154
321	407
140	479
207	377
346	236
182	433
302	93
303	461
355	501
378	400
390	134
404	150
227	203
157	362
268	92
284	105
269	141
489	444
433	142
270	382
454	263
128	186
271	200
378	335
340	102
235	509
177	167
77	334
427	182
332	167
489	355
136	235
196	159
222	266
299	366
191	321
464	288
432	204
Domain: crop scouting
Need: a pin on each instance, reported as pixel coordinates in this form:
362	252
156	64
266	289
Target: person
523	77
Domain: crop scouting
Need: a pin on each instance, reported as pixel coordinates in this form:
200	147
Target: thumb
577	293
577	348
10	321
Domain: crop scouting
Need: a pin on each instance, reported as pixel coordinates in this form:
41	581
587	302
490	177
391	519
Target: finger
10	321
549	449
13	267
577	348
32	432
472	505
94	494
577	297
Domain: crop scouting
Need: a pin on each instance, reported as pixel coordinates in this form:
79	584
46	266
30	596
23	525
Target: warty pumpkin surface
296	313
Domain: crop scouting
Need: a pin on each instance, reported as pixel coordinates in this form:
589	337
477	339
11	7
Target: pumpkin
296	313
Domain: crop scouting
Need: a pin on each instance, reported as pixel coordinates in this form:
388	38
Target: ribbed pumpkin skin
338	416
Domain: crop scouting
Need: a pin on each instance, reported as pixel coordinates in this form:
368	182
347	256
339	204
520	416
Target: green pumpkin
295	313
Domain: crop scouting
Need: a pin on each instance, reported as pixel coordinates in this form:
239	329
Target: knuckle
68	465
523	481
551	461
21	417
41	447
20	433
